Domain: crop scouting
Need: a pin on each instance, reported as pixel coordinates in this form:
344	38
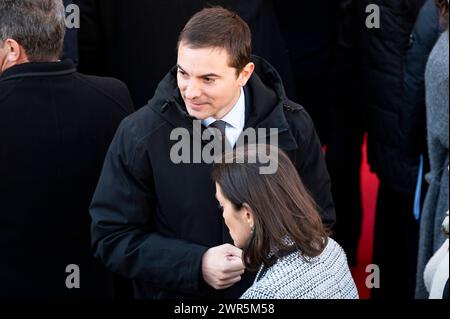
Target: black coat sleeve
122	212
310	162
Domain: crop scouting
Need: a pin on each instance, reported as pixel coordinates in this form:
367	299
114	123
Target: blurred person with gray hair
55	127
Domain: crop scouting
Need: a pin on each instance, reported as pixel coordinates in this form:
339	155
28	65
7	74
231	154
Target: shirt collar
234	118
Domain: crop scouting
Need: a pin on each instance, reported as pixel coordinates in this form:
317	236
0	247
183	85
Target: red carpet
369	188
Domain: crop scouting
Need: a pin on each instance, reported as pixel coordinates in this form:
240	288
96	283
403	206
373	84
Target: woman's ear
249	215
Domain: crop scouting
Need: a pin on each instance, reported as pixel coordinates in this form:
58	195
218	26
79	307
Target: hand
222	266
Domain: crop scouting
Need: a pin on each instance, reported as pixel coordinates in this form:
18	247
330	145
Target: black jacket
383	53
307	28
152	220
412	116
55	128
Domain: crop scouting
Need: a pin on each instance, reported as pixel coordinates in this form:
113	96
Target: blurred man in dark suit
55	128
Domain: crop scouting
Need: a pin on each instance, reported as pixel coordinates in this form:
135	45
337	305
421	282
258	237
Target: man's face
208	85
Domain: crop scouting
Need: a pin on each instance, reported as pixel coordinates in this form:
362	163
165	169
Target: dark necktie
220	125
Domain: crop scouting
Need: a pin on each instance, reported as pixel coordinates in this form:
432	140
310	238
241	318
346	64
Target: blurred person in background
412	115
343	152
307	28
55	128
436	201
383	50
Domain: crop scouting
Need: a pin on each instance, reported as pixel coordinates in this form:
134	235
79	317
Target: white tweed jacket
326	276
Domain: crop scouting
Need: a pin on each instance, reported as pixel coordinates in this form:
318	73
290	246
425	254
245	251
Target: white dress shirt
235	120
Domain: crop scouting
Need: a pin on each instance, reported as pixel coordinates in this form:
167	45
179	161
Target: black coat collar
34	69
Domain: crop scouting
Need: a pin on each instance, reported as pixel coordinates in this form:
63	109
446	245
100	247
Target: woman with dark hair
276	223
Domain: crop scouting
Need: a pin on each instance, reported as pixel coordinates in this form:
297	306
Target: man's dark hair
37	25
286	217
219	28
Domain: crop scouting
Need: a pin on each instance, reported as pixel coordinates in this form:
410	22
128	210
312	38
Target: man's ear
249	215
15	53
246	73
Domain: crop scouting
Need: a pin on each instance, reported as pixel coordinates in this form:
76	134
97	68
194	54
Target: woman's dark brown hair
282	207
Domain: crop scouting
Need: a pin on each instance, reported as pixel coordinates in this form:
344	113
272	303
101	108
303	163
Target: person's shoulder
103	82
260	291
427	29
298	118
295	112
290	106
428	16
142	124
286	270
110	88
290	277
333	258
296	266
333	248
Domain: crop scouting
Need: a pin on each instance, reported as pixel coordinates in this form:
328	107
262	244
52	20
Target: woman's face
239	222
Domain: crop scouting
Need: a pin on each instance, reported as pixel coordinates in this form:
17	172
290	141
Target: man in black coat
55	128
412	119
344	153
307	28
383	52
155	218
